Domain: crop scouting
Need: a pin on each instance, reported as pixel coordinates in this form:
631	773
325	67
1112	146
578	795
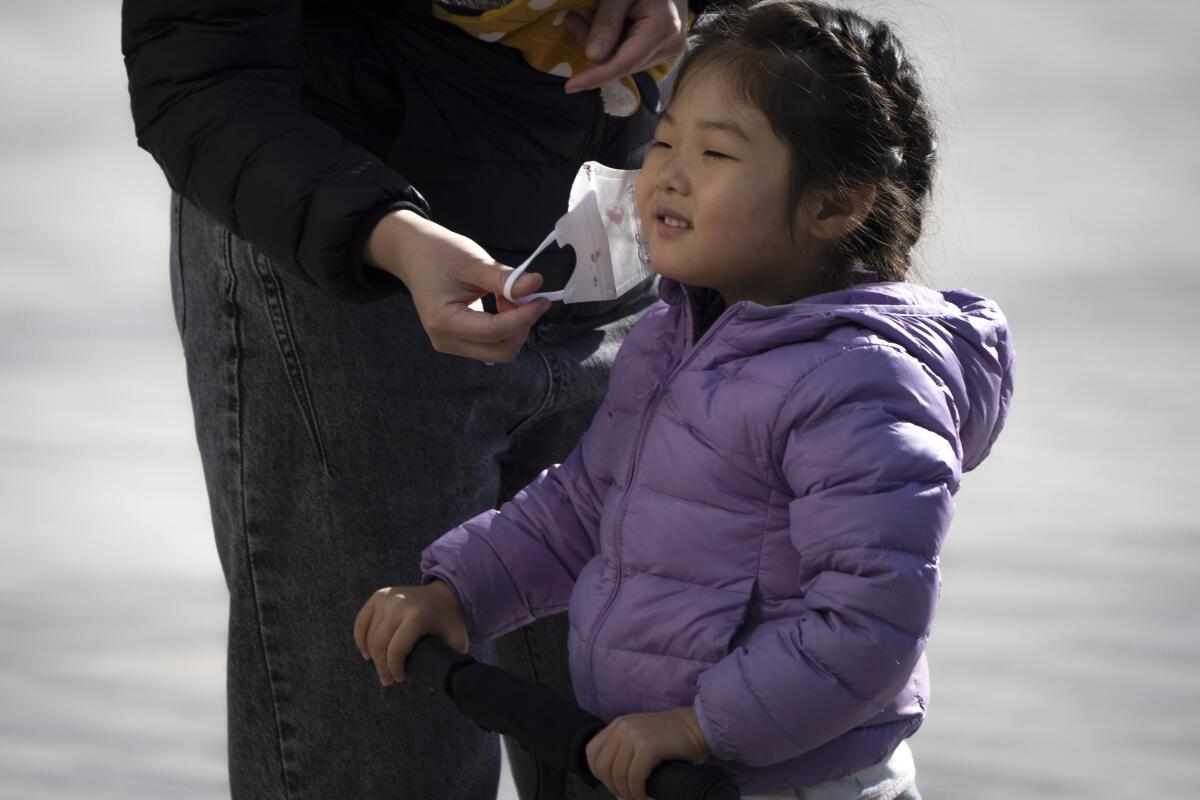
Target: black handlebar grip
679	780
432	663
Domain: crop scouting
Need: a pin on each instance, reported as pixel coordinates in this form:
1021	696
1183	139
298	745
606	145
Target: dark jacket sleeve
215	90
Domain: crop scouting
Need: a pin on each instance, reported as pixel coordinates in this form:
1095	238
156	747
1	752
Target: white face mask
602	226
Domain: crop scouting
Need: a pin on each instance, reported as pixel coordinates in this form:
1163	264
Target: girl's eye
712	153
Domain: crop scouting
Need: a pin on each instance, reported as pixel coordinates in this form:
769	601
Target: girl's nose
671	175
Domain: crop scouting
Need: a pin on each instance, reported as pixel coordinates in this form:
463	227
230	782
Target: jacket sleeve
215	94
868	448
512	566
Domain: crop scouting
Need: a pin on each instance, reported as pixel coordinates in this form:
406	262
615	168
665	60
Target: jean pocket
275	300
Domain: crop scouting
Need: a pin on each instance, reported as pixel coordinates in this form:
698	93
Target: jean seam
285	341
177	221
238	388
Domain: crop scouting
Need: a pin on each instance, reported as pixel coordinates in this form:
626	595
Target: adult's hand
656	33
446	273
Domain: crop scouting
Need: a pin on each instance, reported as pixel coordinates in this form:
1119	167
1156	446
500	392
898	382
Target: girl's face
717	165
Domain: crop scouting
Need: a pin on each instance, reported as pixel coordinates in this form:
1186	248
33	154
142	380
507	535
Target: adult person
321	152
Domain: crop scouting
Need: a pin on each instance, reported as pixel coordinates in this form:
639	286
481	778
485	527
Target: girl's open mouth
669	227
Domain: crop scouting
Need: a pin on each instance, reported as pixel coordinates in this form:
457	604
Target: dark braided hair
840	92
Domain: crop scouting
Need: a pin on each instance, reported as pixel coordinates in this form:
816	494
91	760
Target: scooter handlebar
551	728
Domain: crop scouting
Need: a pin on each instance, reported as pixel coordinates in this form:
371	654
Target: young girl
747	537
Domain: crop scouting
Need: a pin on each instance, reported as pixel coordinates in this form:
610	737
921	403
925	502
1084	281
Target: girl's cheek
643	182
642	197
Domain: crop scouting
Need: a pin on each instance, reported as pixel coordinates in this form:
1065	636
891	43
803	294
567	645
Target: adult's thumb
496	275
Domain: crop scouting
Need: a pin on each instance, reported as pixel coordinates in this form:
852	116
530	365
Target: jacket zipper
659	392
597	129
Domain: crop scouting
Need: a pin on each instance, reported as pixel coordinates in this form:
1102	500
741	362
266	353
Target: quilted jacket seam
688	501
742	595
880	548
658	655
507	574
799	383
863	701
848	619
680	418
775	435
766	711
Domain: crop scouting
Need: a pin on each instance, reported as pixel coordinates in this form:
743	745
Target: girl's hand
656	34
446	273
391	622
622	755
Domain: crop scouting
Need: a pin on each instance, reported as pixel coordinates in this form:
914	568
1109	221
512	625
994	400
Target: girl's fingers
382	628
362	624
602	764
620	768
592	751
398	649
639	773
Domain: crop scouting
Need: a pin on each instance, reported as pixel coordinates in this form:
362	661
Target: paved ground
1068	643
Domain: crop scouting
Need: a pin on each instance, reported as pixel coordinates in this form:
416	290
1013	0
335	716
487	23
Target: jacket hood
961	337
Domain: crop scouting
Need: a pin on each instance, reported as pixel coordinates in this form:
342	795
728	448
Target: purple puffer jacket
751	524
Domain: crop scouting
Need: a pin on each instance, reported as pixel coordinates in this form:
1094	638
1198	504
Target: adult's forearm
215	91
386	243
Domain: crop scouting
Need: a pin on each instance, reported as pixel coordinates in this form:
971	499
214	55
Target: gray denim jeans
336	445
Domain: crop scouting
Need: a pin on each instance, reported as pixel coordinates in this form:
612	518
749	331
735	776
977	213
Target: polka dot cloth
537	29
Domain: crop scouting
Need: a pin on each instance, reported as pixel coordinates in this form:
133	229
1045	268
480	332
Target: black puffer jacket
300	123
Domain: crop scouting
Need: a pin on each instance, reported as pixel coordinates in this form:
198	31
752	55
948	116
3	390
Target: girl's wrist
688	714
446	592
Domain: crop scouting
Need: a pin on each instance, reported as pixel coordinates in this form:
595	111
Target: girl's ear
833	213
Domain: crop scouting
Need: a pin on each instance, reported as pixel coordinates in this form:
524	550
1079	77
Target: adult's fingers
520	290
491	277
606	28
651	34
458	327
500	353
640	50
579	25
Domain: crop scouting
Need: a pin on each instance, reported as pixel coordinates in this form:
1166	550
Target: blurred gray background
1065	657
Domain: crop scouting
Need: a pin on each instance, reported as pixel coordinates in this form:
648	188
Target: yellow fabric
537	28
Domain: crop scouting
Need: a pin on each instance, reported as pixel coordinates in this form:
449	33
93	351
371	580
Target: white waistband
883	781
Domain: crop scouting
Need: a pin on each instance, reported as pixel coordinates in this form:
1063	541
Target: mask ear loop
516	273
